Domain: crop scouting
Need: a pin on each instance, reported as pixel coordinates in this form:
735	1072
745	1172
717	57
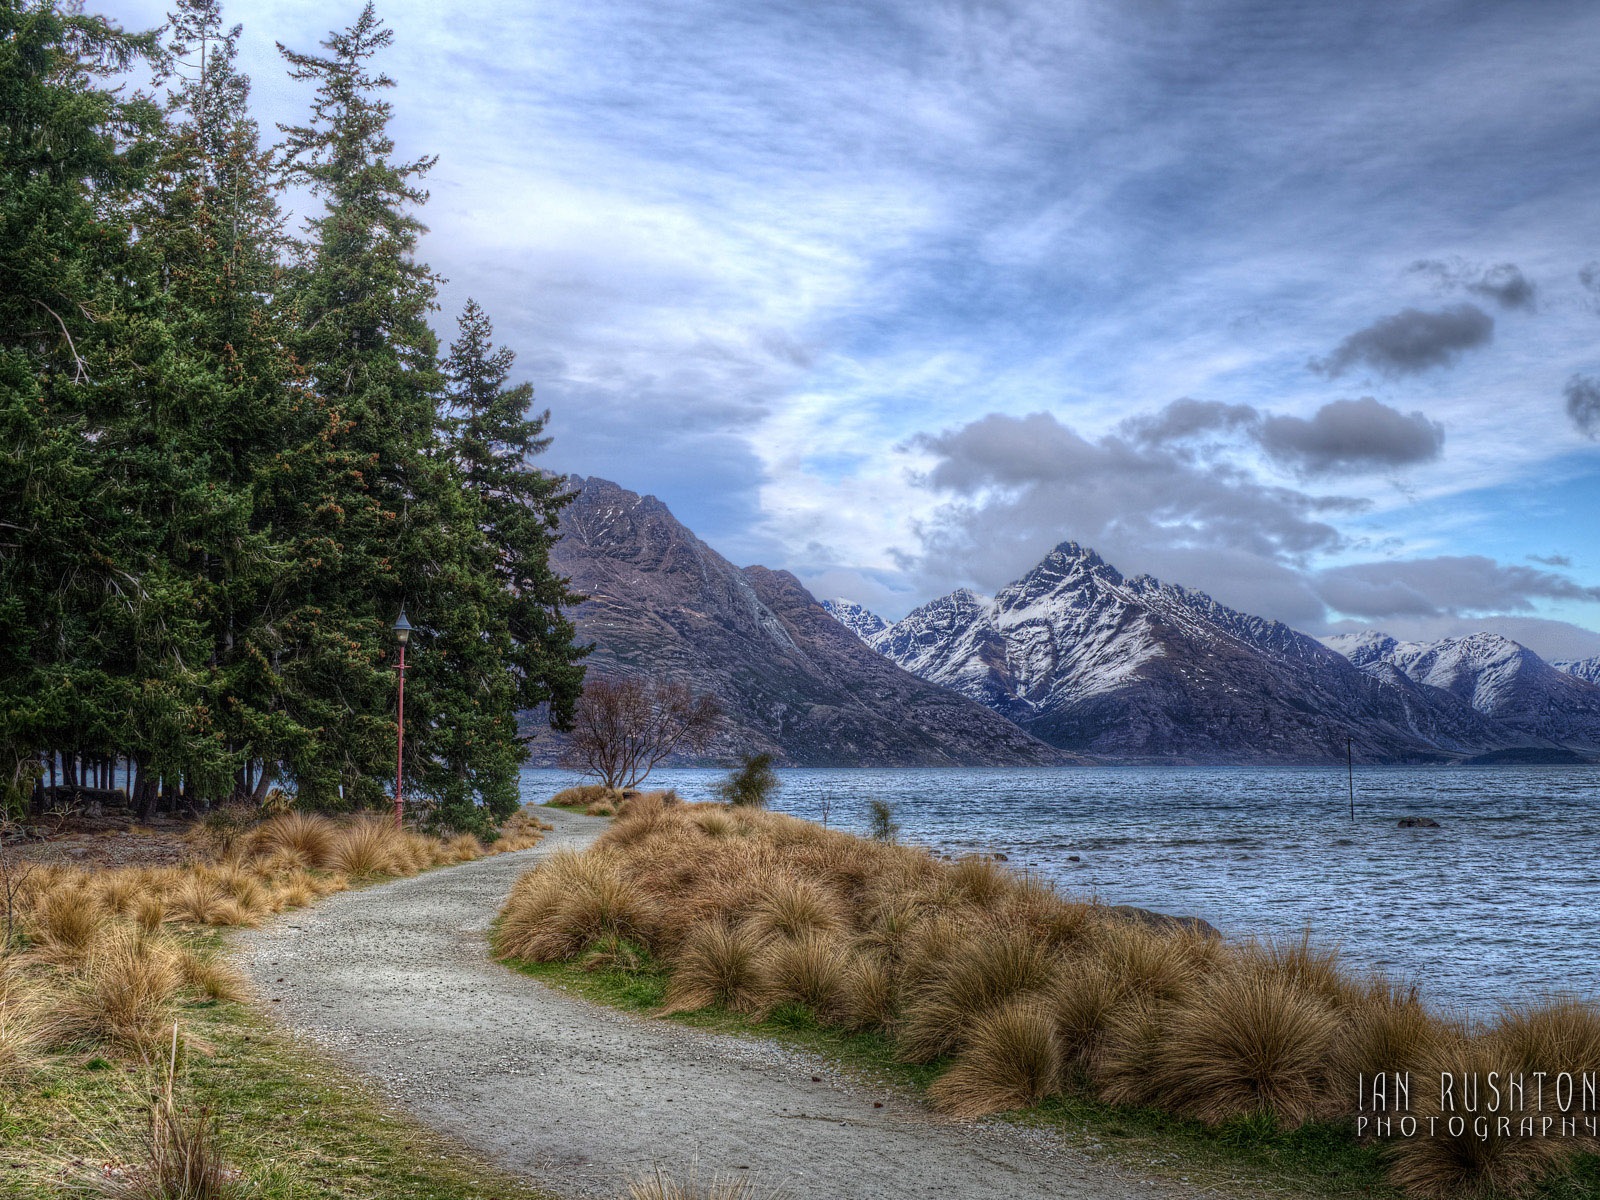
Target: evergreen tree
224	466
361	301
213	225
100	638
494	437
398	528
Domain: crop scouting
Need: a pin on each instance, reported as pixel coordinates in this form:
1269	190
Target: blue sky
898	295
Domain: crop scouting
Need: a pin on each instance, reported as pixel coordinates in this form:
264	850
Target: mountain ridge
1100	663
792	680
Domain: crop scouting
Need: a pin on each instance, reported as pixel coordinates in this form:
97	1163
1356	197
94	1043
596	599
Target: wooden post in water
1350	767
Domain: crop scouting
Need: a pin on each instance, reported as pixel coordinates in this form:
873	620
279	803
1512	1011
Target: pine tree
213	224
494	437
397	528
100	635
526	658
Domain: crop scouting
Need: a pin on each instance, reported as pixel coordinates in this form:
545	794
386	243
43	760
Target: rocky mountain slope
791	678
1135	668
1583	668
857	618
1517	690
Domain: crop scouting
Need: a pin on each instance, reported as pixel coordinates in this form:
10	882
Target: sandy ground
397	980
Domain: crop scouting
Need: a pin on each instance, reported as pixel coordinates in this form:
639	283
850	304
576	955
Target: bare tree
624	728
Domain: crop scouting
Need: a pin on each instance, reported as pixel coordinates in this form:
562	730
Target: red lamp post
402	634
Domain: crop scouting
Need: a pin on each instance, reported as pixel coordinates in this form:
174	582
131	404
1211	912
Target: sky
1292	302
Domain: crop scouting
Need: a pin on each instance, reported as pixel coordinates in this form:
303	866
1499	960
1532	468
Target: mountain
1583	668
792	680
1499	678
857	618
1094	662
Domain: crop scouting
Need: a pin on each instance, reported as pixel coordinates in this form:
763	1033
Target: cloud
1504	283
1410	341
1449	585
1018	485
1354	434
1187	420
1348	435
1583	404
1149	502
1551	560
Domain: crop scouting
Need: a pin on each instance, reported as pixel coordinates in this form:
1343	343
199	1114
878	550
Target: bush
881	822
752	784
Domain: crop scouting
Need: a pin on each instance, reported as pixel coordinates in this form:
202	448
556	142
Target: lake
1500	903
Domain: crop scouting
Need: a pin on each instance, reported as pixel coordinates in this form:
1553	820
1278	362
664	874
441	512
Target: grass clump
659	1185
1010	996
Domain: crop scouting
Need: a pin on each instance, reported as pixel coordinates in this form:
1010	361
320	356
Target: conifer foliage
231	454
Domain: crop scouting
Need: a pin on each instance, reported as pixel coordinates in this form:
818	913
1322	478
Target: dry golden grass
1246	1042
658	1185
794	908
583	794
367	847
808	970
1440	1165
308	838
125	992
985	970
1011	1060
1021	992
559	910
22	1002
716	967
99	965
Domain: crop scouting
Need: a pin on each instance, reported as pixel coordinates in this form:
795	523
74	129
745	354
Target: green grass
297	1126
1237	1159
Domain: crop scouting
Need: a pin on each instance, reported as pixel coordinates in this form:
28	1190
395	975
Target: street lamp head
402	629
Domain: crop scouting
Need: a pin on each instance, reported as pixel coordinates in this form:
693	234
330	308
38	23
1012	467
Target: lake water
1500	903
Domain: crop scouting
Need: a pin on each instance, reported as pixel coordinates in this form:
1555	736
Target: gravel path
397	980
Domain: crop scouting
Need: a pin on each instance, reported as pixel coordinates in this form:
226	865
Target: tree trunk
263	785
144	793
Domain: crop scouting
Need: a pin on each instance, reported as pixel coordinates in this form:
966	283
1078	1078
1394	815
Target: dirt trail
397	979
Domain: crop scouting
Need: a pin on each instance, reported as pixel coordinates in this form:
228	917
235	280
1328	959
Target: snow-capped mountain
1583	668
1499	678
857	618
1092	661
664	605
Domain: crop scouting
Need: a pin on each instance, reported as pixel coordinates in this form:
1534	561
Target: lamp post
402	634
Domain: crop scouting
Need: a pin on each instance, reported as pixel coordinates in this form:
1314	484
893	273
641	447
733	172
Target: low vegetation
1006	995
104	968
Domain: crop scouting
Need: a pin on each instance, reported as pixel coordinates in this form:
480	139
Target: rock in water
1418	823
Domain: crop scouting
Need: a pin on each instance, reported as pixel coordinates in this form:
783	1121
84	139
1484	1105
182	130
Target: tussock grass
558	911
808	970
1247	1043
102	962
717	967
109	960
969	980
1441	1165
659	1185
308	838
124	994
1011	1059
1015	995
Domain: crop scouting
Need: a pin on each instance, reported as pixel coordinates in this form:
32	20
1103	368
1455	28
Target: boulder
1162	921
1418	823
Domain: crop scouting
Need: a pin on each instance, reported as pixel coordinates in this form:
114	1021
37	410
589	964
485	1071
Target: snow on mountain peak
857	618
